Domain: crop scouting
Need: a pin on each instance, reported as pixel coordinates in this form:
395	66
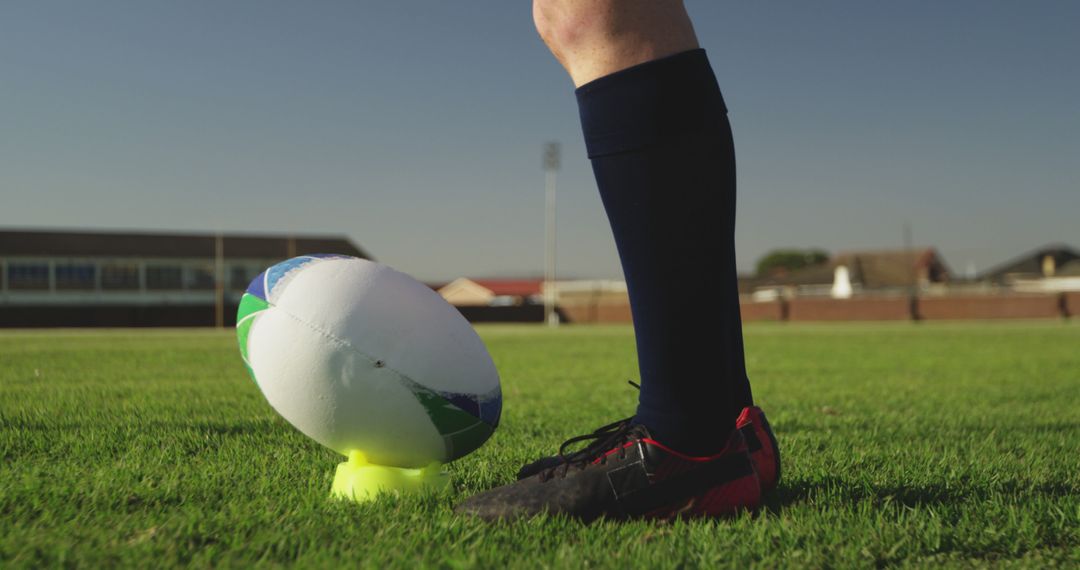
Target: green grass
906	445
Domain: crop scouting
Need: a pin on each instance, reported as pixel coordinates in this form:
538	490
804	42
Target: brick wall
597	312
799	309
1072	304
767	311
25	316
991	307
859	309
873	309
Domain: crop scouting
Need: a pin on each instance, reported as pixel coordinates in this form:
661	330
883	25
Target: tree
784	261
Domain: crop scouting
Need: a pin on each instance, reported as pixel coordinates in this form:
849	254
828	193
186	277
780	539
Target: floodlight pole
913	285
551	169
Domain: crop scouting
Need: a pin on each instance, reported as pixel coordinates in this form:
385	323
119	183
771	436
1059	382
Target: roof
1070	269
179	245
889	268
511	287
1031	262
464	291
872	269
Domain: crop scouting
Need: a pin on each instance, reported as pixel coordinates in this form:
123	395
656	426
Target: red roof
511	287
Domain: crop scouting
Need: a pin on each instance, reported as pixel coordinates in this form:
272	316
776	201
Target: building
855	272
496	300
894	269
466	292
89	278
593	301
1046	261
1048	269
521	300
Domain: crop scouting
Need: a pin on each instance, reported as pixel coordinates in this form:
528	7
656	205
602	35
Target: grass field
907	445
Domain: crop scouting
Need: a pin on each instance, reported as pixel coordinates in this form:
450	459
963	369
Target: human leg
661	148
594	38
656	131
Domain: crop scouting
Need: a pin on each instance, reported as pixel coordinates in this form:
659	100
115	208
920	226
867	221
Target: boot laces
603	440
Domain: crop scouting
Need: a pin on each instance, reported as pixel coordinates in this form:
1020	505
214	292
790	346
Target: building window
75	276
120	277
201	277
239	278
26	276
164	277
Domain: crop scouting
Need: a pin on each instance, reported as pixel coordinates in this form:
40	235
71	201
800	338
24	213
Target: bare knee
592	38
568	26
565	25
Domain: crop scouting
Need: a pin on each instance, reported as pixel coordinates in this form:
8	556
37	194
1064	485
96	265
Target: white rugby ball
361	357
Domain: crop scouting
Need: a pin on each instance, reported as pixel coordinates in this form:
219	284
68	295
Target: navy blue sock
662	152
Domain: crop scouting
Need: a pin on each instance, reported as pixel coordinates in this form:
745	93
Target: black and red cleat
626	475
762	445
760	441
600	436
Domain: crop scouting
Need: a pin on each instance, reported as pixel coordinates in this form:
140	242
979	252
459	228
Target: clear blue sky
416	127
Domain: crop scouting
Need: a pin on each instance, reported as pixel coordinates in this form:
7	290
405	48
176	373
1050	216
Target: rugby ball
361	357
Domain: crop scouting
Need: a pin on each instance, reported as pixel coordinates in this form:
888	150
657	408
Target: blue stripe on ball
257	287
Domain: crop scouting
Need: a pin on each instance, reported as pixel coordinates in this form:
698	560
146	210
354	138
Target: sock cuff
648	103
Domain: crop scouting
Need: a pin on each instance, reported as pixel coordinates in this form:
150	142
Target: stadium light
551	169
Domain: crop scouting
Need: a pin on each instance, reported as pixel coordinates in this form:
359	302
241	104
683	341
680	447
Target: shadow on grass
834	490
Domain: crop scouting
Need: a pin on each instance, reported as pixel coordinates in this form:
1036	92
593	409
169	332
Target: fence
20	316
799	309
952	307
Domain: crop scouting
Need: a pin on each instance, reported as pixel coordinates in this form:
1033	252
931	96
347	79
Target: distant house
594	301
1047	269
466	292
93	278
894	268
1046	261
860	271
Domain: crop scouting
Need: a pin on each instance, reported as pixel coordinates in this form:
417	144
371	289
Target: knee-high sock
661	150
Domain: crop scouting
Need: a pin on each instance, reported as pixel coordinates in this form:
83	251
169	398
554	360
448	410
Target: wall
597	312
767	311
29	316
1066	305
1072	304
1049	306
856	309
991	307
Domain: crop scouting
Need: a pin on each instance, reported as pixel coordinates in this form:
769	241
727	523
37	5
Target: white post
219	281
551	168
841	288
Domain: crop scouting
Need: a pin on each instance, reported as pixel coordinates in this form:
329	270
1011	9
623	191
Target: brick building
67	278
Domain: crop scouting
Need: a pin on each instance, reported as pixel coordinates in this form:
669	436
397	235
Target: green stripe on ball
245	316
